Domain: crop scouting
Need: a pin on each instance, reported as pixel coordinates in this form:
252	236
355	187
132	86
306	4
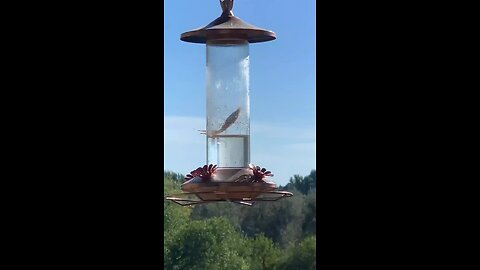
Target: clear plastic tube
228	104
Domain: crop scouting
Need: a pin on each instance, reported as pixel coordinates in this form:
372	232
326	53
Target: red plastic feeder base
238	192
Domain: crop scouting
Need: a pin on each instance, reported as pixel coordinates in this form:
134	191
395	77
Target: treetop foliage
273	235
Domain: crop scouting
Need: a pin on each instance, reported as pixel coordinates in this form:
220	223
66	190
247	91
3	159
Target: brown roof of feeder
228	27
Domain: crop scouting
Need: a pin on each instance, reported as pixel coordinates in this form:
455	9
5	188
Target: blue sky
282	85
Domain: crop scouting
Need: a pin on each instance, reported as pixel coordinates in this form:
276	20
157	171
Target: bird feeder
228	174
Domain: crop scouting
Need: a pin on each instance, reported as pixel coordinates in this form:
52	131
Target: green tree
303	184
175	217
269	235
310	224
302	256
264	253
207	244
235	213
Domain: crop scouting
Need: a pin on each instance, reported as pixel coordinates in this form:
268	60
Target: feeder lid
228	27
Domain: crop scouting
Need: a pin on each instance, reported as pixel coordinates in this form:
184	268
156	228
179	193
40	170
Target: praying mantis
232	118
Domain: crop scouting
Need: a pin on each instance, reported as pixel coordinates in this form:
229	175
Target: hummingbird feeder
228	175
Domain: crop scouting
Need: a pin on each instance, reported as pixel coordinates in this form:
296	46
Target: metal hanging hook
227	6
